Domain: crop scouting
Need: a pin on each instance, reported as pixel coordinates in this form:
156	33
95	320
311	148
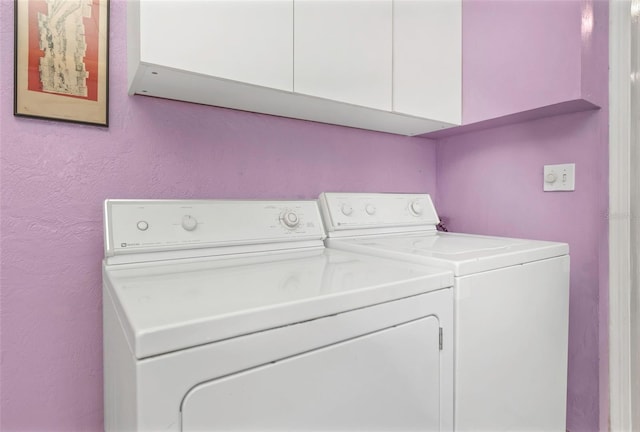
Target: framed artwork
61	60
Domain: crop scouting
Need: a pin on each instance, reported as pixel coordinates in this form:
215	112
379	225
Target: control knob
347	210
416	208
550	178
290	219
189	223
370	209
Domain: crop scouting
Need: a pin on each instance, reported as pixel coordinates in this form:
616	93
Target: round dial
370	209
416	208
347	210
189	223
551	177
143	225
290	219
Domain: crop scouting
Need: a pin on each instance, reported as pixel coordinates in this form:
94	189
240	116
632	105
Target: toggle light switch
560	177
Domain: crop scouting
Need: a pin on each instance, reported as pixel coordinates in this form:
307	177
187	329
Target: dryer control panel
350	211
160	225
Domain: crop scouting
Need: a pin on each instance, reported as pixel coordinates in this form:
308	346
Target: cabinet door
388	380
343	51
242	40
427	59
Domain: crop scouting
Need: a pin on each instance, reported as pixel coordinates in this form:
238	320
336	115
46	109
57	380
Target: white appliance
232	316
511	306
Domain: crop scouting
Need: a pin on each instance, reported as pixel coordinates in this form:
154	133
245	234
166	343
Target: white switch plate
559	177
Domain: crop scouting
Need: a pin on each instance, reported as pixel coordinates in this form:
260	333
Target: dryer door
386	380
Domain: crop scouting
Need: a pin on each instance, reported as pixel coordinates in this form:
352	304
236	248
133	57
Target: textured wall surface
496	179
54	177
491	181
519	55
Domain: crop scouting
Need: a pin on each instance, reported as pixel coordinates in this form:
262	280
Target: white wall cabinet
427	59
385	65
343	51
243	40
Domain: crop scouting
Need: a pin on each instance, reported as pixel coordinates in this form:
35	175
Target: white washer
232	316
511	306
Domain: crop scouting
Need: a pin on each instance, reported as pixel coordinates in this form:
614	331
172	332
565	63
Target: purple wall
522	55
491	181
54	177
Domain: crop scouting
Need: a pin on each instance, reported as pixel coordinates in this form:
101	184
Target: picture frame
62	60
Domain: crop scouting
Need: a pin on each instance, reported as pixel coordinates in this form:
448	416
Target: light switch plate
559	177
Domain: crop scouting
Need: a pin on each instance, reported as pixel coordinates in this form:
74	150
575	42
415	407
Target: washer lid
464	254
168	306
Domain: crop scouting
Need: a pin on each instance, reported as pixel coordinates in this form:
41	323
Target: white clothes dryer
233	316
511	306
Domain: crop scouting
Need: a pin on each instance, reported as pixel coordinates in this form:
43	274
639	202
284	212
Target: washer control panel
343	211
156	225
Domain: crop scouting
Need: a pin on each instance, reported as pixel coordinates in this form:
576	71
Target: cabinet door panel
241	40
427	59
343	51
